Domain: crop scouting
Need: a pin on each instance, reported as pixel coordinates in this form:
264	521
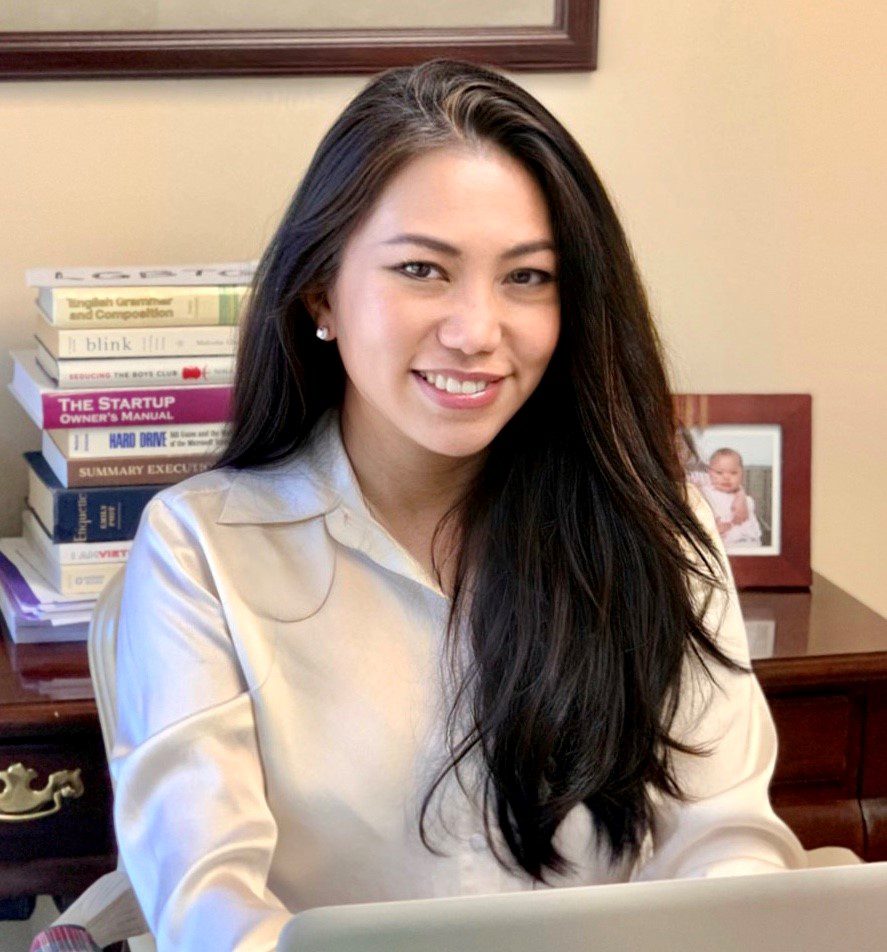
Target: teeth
448	384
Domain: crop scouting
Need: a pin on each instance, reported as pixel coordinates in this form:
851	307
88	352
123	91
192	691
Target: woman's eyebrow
435	244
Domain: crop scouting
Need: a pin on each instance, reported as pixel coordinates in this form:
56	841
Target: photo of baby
736	470
722	485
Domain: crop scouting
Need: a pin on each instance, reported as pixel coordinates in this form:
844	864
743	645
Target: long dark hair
580	562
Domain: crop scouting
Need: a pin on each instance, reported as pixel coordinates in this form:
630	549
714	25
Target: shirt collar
309	483
318	480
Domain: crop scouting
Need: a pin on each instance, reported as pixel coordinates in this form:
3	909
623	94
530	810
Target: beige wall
742	142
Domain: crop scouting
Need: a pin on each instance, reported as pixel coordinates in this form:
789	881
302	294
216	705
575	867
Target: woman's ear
317	304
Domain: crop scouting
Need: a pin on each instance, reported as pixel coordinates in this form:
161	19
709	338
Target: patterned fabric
64	939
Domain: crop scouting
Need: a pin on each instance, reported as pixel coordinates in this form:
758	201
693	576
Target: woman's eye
417	269
531	276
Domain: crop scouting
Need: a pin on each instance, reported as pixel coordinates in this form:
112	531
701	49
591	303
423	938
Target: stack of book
130	382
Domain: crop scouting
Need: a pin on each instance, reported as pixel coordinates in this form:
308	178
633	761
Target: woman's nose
474	324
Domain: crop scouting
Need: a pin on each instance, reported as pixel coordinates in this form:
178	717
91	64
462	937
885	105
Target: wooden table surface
820	633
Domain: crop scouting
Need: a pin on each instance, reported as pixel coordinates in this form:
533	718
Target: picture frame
758	447
567	42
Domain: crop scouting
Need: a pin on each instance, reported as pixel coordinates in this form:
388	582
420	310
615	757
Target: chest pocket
280	571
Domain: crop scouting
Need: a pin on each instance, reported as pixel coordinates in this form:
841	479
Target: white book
135	371
71	553
79	579
41	597
116	276
79	343
188	439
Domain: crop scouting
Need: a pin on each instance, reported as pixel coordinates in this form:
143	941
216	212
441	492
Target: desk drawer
82	826
820	739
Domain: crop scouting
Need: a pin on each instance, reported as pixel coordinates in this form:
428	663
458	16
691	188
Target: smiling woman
448	558
466	314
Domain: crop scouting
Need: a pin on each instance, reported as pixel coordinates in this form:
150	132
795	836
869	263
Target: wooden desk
64	853
827	687
826	681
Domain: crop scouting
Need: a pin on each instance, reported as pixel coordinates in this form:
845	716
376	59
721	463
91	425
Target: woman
446	618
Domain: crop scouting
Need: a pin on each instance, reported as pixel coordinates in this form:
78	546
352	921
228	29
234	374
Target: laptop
829	909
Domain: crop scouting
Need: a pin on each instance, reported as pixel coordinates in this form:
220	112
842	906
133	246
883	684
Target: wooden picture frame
782	558
568	43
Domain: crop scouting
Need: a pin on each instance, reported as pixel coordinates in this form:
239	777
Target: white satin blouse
281	700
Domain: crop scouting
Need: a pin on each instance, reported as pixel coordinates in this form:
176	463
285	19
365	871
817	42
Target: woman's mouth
457	394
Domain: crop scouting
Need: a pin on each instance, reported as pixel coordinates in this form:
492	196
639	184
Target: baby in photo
734	509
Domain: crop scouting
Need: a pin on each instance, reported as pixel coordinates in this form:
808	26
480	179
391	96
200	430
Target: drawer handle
19	802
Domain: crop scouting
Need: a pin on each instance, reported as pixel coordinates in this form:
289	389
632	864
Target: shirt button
478	842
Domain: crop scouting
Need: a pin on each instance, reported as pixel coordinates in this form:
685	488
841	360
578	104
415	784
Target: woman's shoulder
226	525
195	500
284	491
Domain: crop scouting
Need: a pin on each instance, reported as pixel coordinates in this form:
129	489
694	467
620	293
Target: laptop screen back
829	909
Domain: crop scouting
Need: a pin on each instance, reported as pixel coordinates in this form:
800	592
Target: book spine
85	553
153	306
133	472
91	553
139	407
146	275
138	342
121	443
99	515
79	579
61	555
143	372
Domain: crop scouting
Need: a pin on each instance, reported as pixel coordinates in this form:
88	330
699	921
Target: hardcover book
121	276
95	514
106	372
71	553
190	439
52	408
68	579
146	307
82	342
132	471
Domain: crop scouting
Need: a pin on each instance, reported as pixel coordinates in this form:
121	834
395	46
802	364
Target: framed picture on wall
749	455
55	39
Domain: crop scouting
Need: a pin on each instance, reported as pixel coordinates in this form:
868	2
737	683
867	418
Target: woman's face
451	277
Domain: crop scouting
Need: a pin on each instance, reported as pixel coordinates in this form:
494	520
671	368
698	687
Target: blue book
86	514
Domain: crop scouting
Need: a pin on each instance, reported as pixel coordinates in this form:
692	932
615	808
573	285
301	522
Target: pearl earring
323	332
